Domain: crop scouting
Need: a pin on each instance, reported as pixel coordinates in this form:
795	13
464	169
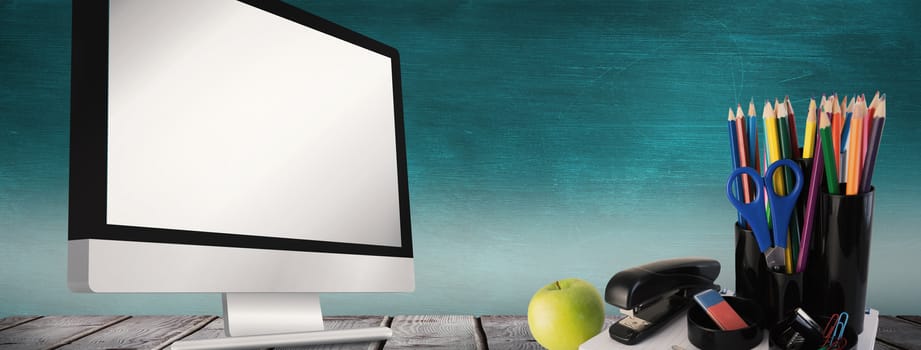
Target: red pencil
837	127
742	143
867	124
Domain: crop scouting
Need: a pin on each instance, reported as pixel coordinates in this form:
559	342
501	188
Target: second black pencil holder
777	293
839	257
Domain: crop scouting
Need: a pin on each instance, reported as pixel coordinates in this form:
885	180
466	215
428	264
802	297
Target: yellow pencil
809	141
773	145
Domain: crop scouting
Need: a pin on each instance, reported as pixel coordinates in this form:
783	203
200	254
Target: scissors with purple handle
781	209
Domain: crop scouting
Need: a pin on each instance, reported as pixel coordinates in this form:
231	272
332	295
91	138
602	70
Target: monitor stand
253	320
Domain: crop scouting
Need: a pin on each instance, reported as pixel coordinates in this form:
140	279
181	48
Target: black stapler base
651	295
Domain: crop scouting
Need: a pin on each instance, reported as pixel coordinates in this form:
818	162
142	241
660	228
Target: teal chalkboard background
546	140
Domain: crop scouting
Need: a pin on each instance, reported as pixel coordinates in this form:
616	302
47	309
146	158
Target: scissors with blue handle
781	209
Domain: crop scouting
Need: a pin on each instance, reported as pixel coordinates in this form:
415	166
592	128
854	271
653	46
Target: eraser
719	310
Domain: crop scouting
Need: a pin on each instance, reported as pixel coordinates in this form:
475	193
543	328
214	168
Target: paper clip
834	332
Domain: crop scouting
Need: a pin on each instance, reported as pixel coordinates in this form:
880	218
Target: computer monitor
240	147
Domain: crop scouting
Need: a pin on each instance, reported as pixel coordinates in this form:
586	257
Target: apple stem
558	285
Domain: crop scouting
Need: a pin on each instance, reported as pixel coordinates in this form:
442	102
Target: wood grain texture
506	332
415	332
434	332
883	346
13	321
910	318
899	333
142	332
348	322
52	331
211	330
215	329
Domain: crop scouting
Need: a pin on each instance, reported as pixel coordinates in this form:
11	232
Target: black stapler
651	295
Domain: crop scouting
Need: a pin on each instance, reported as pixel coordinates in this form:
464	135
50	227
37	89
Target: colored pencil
753	146
846	127
791	118
786	151
815	180
831	173
742	152
845	136
853	153
873	144
867	124
809	139
836	126
734	153
773	144
783	138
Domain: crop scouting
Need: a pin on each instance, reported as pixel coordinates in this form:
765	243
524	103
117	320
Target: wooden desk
416	332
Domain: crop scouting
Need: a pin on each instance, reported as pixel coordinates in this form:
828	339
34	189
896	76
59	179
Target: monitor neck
271	313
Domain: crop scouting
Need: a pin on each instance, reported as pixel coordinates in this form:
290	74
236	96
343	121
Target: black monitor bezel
88	138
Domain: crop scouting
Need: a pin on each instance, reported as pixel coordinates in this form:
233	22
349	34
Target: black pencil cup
838	266
777	293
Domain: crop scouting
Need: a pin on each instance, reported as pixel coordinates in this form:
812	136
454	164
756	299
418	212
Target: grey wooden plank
348	322
52	331
12	321
215	329
434	332
506	332
898	332
912	318
883	346
142	332
511	332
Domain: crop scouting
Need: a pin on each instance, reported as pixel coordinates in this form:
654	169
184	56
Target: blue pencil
755	155
847	127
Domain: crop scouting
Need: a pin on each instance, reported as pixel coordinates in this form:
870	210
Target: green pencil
786	152
831	172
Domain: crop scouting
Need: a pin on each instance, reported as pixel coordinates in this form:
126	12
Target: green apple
565	313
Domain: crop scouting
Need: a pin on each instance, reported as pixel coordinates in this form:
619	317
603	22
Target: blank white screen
224	118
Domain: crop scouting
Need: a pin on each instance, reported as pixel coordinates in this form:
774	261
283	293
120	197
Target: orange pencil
854	148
